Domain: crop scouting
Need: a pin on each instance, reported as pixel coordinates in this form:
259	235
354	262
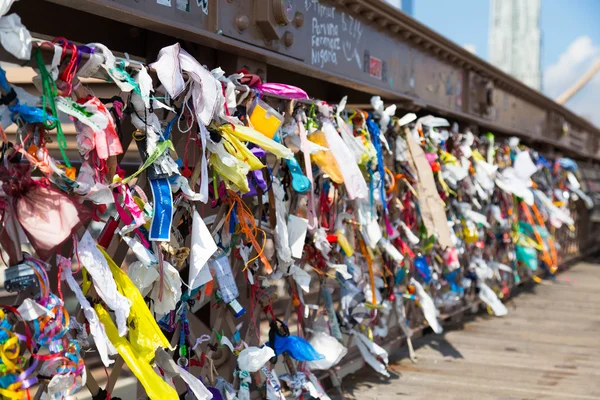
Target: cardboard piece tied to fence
430	202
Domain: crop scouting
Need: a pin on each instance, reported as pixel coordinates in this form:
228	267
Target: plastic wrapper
353	143
325	160
281	235
265	119
225	389
423	268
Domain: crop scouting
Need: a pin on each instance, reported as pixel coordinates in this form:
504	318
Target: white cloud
575	61
571	65
471	48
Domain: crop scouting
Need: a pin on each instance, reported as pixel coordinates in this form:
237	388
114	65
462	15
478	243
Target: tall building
405	6
515	39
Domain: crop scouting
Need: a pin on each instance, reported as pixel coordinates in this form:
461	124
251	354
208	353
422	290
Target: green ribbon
49	93
160	149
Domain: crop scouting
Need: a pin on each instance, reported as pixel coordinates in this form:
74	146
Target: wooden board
547	347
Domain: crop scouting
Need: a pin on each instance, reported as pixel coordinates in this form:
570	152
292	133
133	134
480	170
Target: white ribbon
104	282
103	344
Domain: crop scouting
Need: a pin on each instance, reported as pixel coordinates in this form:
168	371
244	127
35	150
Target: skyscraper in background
405	5
515	39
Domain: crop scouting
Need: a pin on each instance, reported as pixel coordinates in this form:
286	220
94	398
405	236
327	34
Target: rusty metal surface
364	45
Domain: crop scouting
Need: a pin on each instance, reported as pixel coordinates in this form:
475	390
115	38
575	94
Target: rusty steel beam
362	45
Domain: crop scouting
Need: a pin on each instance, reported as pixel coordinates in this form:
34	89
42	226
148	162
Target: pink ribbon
281	89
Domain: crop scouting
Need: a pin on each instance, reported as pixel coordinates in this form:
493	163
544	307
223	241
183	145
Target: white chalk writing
352	26
350	44
333	31
326	12
325	42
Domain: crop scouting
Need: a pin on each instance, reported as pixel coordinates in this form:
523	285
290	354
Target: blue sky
570	41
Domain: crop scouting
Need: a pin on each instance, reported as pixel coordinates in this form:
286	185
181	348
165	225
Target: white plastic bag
253	358
327	345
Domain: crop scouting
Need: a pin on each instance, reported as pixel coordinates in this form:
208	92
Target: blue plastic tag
160	228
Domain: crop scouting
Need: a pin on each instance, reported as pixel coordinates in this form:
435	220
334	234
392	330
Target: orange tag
71	173
209	287
32	150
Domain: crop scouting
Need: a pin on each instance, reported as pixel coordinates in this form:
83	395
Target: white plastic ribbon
355	183
368	349
391	250
97	266
301	277
281	235
428	307
196	386
342	269
203	247
487	295
205	89
353	143
103	344
110	64
410	236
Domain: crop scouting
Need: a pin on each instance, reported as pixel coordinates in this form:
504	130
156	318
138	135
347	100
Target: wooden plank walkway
547	347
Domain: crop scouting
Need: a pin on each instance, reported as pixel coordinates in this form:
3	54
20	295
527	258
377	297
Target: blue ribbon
374	131
160	228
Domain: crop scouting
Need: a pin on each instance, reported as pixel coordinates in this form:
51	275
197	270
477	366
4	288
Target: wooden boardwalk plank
547	347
